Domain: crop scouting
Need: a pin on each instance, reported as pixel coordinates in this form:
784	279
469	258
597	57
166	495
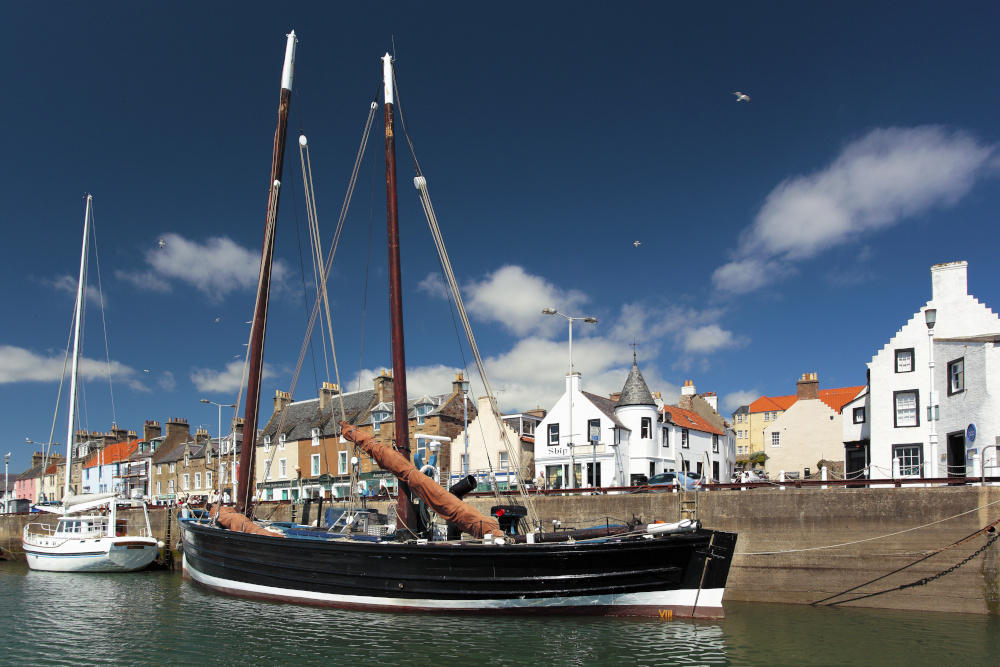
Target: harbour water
158	618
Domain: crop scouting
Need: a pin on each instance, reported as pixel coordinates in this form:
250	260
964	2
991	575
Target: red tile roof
689	419
116	453
834	398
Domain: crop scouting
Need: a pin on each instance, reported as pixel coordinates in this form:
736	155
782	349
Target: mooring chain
927	580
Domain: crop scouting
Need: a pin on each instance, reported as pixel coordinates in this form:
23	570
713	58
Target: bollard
823	476
895	468
977	468
781	478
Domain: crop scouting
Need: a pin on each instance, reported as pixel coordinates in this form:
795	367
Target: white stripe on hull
675	603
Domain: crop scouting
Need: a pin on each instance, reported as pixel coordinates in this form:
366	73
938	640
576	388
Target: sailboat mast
76	348
245	479
405	511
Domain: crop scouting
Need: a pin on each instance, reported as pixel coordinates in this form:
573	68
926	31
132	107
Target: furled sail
447	506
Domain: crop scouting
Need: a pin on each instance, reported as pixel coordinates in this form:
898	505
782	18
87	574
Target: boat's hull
108	554
669	576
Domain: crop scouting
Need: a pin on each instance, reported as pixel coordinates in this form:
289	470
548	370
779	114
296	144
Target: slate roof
742	410
437	400
606	406
301	417
31	473
688	419
635	391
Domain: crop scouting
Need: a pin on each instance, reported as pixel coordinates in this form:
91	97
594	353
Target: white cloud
735	399
167	381
514	298
216	267
434	286
228	380
69	284
877	181
20	365
710	338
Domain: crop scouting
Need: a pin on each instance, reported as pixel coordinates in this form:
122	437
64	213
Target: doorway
856	461
956	454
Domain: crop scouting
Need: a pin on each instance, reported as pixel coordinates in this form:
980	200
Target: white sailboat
90	536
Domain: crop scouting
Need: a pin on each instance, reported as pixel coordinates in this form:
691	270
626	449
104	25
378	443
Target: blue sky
793	234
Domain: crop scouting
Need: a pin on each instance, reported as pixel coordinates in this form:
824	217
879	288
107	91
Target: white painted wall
958	314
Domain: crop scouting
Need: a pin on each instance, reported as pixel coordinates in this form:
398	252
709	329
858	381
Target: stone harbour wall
843	547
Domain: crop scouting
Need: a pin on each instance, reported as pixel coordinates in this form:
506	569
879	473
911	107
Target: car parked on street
688	481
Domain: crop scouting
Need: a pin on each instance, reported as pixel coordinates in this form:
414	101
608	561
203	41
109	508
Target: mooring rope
867	539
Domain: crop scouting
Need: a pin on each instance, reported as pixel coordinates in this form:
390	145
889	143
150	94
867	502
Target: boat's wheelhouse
82	527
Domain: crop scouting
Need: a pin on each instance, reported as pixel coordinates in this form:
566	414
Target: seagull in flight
217	320
162	243
144	370
740	97
637	244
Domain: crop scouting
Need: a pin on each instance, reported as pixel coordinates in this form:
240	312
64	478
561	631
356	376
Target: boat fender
488	538
531	538
498	540
160	544
662	528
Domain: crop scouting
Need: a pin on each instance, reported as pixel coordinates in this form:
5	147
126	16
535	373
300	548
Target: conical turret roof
635	391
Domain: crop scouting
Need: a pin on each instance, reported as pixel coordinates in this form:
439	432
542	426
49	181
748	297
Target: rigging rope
420	182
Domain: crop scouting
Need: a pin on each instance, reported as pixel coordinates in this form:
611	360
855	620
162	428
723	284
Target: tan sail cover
233	520
447	506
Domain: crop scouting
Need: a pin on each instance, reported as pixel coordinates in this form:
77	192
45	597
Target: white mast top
76	349
288	71
387	77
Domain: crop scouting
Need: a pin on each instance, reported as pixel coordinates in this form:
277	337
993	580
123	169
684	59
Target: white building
631	436
941	433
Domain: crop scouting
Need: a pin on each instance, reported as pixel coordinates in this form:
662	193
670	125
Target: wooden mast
245	479
405	511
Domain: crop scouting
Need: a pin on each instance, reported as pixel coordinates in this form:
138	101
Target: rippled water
158	618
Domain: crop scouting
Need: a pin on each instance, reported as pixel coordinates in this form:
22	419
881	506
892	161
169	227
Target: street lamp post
220	406
465	422
572	458
45	453
6	481
930	316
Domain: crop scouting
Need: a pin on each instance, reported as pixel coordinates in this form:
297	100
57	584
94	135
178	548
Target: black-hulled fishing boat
373	562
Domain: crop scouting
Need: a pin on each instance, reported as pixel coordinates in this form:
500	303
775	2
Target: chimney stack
687	393
151	430
281	400
808	387
326	394
383	387
179	428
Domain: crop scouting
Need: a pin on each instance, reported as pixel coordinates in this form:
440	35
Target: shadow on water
158	618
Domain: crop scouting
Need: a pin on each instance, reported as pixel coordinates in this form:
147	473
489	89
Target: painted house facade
501	448
914	431
809	431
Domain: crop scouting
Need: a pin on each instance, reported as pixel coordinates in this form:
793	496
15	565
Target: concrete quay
838	546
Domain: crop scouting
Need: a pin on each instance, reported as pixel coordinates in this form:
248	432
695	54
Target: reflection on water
158	618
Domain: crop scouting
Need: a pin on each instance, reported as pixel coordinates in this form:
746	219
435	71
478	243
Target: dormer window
281	441
208	453
422	409
187	460
379	416
267	443
315	437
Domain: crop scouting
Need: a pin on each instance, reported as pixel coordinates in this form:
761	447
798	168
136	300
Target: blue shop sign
970	433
